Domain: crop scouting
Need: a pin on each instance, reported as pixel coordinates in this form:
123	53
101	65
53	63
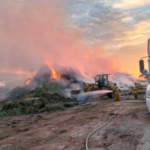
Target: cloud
114	25
101	23
131	4
136	35
96	20
127	19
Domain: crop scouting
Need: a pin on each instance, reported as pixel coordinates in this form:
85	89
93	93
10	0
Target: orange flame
54	74
28	82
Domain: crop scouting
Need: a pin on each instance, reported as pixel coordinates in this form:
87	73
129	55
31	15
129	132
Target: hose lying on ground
87	139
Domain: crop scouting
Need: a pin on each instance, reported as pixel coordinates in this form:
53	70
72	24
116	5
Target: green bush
11	112
38	92
4	114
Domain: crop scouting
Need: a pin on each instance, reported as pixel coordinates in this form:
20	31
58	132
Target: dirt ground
67	130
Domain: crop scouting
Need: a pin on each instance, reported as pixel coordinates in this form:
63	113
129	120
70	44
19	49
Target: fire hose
140	141
87	139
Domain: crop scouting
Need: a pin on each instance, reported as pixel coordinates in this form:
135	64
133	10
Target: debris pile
37	101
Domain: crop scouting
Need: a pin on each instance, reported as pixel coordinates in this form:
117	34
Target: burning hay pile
44	93
48	79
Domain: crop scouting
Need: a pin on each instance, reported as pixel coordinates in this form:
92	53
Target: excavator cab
102	81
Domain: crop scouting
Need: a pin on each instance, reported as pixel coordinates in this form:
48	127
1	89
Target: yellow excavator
101	83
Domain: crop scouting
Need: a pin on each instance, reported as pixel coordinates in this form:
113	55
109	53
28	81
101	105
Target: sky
121	26
91	35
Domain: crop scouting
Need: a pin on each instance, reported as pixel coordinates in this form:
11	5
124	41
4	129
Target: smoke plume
33	32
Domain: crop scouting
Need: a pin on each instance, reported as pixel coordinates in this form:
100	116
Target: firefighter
116	92
135	91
